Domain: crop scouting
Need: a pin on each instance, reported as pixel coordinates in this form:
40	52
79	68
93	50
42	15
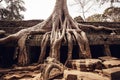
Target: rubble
111	63
79	75
85	64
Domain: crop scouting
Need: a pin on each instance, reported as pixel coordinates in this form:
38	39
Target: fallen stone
85	64
111	63
78	75
112	73
107	58
71	77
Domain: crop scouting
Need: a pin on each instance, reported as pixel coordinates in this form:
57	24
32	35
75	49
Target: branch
8	39
1	0
96	28
41	31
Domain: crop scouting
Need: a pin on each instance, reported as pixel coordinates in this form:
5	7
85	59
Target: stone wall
98	42
14	26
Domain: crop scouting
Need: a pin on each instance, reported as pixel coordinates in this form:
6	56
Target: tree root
55	29
70	45
51	64
44	46
99	28
56	36
23	57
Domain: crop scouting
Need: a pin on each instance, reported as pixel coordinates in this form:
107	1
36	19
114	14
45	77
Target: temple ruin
104	46
59	48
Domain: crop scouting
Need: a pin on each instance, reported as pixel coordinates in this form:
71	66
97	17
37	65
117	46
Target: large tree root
44	46
52	66
57	28
23	57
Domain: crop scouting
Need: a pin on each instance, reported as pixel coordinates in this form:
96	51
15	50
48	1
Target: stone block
84	64
111	63
78	75
107	58
112	73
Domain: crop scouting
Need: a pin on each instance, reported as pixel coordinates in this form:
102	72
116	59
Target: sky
41	9
38	9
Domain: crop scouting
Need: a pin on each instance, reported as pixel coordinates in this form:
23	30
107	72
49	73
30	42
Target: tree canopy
4	14
86	5
95	18
106	1
13	8
111	14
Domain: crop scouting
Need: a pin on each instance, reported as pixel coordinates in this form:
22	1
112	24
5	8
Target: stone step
85	64
107	58
112	73
78	75
111	63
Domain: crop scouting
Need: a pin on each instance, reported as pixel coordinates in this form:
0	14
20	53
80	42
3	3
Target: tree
95	18
15	7
0	0
79	19
112	14
106	1
59	27
85	6
4	13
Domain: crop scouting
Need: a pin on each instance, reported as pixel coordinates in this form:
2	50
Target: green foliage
0	0
4	13
111	14
95	18
14	8
106	1
84	6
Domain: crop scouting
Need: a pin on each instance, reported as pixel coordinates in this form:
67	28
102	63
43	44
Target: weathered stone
85	64
111	63
71	77
78	75
112	73
107	58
